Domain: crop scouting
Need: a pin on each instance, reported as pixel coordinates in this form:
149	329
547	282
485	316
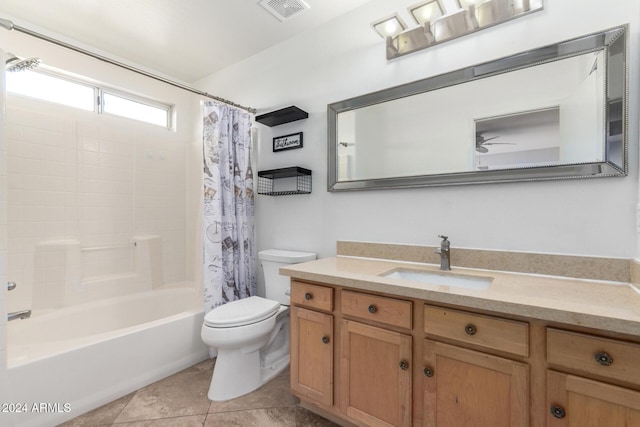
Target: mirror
554	112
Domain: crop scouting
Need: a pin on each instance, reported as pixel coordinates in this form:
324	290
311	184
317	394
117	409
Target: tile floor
181	401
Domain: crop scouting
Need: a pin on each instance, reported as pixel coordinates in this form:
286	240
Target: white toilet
252	334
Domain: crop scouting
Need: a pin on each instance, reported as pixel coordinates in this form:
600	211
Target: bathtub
65	362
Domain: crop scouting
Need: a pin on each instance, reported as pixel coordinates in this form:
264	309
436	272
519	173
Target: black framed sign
287	142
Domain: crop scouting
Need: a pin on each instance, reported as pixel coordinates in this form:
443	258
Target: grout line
253	408
124	406
158	419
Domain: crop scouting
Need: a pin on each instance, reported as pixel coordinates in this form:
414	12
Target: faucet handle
443	237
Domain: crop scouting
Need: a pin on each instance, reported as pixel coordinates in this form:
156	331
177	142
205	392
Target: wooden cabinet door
578	402
375	375
466	388
312	355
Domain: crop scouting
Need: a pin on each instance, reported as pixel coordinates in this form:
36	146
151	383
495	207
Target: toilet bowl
251	335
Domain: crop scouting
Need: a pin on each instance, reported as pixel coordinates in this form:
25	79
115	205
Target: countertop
610	306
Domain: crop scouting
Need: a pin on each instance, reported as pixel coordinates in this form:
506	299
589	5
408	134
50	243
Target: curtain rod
4	23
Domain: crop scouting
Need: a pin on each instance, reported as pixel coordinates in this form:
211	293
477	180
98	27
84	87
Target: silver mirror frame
605	40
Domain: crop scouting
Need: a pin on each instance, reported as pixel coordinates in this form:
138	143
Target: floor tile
269	417
181	401
273	394
102	416
182	394
305	418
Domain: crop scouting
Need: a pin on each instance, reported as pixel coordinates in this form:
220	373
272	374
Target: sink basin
436	278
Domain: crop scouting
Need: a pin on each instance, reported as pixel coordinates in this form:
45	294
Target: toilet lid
241	312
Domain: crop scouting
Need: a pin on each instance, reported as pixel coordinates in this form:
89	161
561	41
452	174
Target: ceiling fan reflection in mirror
481	141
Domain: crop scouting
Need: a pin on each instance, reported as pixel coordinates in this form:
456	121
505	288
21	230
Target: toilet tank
277	286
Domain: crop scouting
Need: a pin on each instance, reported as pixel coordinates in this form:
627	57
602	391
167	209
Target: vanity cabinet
376	359
312	341
375	362
384	310
486	332
580	392
465	387
579	402
375	375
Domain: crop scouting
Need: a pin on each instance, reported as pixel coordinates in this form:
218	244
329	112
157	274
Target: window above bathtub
50	86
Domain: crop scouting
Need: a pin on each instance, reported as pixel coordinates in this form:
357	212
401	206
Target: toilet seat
241	312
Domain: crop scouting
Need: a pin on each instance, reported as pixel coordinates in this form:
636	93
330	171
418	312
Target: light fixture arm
6	24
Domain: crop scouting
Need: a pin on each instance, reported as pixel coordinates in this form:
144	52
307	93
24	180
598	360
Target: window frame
134	98
98	97
60	76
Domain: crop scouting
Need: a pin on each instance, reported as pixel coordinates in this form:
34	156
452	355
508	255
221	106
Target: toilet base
239	371
229	382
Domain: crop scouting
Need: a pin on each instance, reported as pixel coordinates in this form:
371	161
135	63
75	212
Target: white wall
344	58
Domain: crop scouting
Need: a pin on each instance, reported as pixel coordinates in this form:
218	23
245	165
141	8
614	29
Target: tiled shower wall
98	180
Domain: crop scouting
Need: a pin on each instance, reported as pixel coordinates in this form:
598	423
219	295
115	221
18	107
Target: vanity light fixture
390	26
442	20
426	12
454	24
465	4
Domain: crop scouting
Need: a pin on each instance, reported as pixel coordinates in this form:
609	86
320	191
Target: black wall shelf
286	115
269	185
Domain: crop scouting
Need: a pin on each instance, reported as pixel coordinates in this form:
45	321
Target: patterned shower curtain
229	257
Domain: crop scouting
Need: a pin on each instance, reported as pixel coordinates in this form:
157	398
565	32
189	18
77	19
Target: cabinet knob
428	372
603	358
558	412
372	309
470	329
308	296
325	340
404	365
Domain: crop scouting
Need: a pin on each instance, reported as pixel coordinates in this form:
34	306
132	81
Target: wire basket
284	181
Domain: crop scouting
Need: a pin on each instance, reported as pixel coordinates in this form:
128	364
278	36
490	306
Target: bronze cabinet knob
603	358
558	412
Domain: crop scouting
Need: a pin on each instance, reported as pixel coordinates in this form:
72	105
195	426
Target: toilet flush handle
11	286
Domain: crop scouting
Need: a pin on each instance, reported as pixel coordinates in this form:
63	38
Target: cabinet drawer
588	354
385	310
490	332
312	296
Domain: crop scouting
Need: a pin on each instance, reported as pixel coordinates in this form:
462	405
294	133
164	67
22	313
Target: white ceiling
183	39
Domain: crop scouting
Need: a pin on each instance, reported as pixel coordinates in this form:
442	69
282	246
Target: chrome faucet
24	314
445	253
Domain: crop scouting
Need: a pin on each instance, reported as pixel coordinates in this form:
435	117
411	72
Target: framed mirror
556	112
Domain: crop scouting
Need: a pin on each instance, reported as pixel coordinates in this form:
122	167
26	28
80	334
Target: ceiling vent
284	9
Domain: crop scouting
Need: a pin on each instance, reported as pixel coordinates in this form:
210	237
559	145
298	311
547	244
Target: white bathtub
78	358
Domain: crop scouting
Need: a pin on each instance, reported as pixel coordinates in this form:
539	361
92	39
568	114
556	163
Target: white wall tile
88	177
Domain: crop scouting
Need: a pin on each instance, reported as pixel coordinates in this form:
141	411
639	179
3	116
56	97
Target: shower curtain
229	271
